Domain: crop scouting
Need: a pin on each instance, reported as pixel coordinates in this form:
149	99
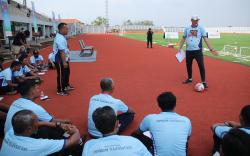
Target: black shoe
69	88
187	81
205	84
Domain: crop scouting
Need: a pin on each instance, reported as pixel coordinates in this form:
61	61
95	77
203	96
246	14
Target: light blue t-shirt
115	146
60	43
23	70
5	76
22	104
221	131
193	36
102	100
34	60
26	146
169	131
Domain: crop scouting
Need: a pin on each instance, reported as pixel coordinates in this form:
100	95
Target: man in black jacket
150	38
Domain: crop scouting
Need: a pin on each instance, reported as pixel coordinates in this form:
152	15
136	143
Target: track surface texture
140	75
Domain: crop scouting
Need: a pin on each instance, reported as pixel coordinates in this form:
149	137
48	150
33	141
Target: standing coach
61	52
150	38
193	37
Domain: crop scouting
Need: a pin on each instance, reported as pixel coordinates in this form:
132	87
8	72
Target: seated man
51	61
220	130
29	52
24	73
37	60
19	141
169	130
111	144
20	43
125	115
7	85
49	127
236	143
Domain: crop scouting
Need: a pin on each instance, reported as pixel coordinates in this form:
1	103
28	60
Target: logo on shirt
112	148
193	33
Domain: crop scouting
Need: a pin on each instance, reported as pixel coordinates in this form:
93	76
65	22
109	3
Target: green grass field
239	40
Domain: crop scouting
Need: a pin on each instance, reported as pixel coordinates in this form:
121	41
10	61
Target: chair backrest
81	44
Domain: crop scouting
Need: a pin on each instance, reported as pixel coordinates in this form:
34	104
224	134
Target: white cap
195	17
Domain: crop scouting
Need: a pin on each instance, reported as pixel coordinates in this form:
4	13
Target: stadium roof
70	21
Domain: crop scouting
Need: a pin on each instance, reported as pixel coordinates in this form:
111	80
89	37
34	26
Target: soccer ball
199	87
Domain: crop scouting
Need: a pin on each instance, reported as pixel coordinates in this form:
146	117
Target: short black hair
22	120
166	101
22	57
14	64
106	84
245	114
25	86
236	142
61	25
104	119
35	51
27	33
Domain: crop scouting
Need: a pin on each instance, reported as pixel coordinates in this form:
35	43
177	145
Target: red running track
140	74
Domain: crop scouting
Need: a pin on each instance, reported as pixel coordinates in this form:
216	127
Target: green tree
99	21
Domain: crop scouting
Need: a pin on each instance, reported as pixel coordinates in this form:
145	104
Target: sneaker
205	84
62	93
216	153
68	88
187	81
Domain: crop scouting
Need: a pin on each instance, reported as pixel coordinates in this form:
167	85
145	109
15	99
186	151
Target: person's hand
72	129
65	127
65	65
215	52
233	124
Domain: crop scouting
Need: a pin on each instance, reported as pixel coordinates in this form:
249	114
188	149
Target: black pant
124	120
61	77
5	89
148	142
149	41
198	56
217	143
67	75
45	132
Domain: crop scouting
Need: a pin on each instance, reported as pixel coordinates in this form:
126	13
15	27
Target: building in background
21	20
75	26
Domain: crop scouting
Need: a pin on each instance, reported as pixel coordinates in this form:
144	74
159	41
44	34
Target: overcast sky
162	12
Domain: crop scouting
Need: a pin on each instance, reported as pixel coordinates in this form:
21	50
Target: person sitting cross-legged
221	129
7	84
111	144
169	131
49	127
18	141
37	60
24	73
125	115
